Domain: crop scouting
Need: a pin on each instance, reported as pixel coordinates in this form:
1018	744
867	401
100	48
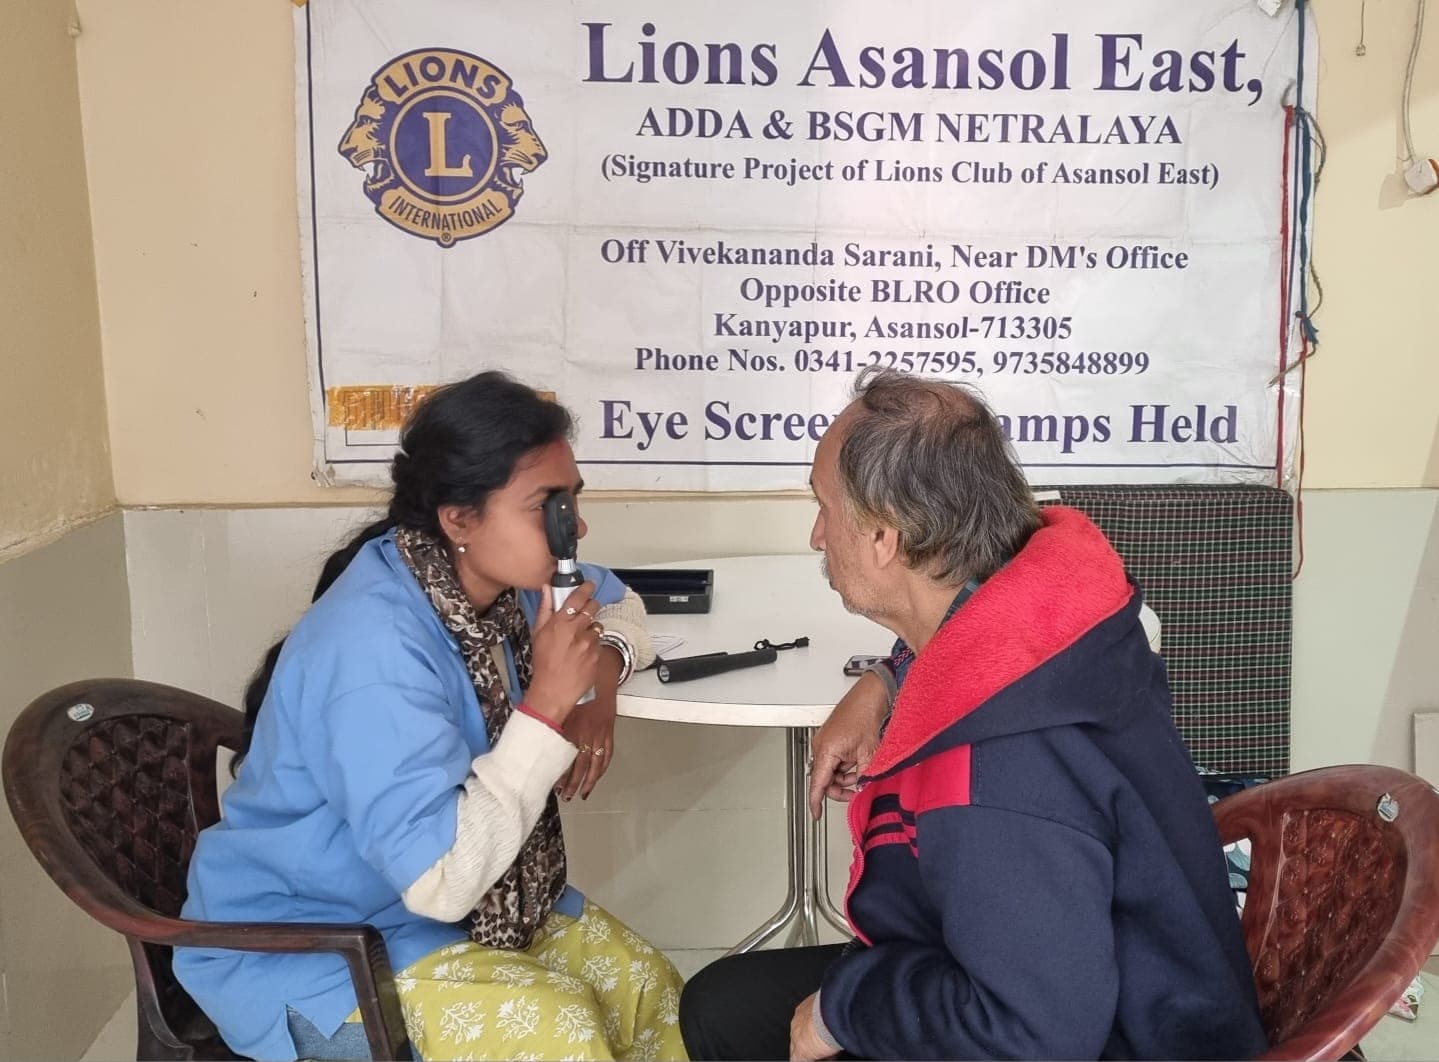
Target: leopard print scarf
512	911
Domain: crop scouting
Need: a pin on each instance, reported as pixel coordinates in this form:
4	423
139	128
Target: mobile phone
858	665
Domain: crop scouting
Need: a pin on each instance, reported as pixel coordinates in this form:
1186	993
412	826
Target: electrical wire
1305	155
1315	153
1409	78
1321	147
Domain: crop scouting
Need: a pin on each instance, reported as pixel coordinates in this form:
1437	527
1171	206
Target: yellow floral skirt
590	988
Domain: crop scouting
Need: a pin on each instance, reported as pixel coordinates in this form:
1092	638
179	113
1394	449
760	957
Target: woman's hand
591	727
566	653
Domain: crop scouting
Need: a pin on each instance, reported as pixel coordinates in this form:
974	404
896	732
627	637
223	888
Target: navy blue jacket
1036	872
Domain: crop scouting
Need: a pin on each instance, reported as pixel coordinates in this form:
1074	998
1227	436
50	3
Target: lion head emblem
521	151
445	143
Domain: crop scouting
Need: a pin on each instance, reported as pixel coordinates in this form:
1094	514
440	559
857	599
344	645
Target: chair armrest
1243	814
361	946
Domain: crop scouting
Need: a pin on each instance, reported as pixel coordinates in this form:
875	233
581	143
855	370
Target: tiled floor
1392	1040
1396	1040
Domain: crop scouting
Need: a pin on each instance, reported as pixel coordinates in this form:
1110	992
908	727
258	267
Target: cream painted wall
1372	419
64	608
197	254
64	615
1366	620
197	245
54	465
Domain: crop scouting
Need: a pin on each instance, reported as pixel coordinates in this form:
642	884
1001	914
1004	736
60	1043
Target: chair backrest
1342	906
110	782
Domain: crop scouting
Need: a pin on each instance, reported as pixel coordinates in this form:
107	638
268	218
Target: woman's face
505	544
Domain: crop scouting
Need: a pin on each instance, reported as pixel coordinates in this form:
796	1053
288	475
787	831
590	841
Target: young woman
409	739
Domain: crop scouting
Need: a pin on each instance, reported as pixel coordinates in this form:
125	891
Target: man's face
848	554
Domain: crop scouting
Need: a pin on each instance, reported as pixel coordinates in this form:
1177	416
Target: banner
695	225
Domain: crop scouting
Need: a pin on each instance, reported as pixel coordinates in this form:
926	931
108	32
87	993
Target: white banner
696	224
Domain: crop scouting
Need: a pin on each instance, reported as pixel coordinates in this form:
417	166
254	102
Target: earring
460	547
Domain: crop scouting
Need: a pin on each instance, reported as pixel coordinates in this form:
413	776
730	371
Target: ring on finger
583	747
570	610
597	627
599	750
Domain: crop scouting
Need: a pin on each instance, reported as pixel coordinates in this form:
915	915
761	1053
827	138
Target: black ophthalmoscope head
562	525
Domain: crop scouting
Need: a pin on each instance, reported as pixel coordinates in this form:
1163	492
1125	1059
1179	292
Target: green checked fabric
1214	563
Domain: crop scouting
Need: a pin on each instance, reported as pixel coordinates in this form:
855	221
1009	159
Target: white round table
779	598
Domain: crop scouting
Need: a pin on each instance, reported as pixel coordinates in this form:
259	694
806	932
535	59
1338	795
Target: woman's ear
457	522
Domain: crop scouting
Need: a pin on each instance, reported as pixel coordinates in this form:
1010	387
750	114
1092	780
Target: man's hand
844	746
804	1043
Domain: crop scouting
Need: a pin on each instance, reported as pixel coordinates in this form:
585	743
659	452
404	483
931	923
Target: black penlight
685	668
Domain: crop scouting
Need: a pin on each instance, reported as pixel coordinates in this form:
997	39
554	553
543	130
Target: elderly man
1036	873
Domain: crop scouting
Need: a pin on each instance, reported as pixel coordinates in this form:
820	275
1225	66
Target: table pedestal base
807	899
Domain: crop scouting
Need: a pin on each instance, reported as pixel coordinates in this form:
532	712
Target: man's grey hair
931	460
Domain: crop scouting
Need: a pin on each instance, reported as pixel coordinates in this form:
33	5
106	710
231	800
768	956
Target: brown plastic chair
1342	907
110	781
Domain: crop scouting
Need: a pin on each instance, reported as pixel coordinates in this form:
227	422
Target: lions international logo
445	141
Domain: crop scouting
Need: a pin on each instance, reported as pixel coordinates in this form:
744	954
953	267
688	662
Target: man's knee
706	1005
697	1010
741	1006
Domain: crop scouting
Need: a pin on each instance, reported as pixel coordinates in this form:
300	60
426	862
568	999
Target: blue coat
1037	872
348	794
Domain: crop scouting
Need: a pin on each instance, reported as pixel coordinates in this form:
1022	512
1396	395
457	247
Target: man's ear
457	522
884	541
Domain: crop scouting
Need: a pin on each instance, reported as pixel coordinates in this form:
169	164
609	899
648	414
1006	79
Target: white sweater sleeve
498	808
626	617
